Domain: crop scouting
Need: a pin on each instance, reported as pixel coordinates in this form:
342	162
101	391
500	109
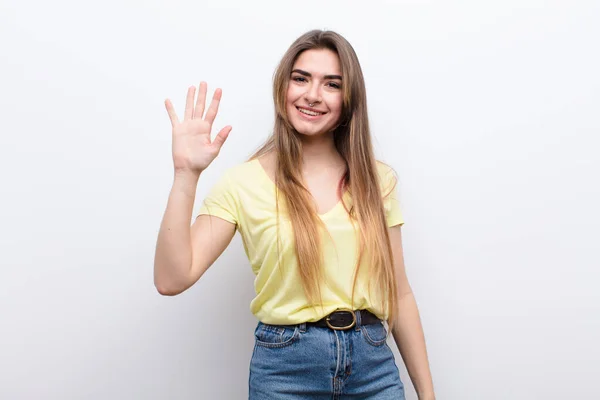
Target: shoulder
230	180
387	177
240	173
384	170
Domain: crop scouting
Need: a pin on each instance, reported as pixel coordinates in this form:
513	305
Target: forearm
173	257
409	337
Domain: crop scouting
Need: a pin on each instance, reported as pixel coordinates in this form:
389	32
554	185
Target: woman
320	224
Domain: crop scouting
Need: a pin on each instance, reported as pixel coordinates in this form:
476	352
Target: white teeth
307	112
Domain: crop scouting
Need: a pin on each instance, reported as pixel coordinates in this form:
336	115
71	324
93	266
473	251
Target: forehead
319	62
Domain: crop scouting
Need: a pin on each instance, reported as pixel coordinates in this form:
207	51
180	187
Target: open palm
193	149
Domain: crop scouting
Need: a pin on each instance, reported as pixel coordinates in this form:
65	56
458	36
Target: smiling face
316	79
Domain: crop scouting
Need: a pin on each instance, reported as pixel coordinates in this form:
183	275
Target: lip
311	109
310	117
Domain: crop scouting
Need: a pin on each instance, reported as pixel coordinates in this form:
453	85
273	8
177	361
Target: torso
323	185
247	195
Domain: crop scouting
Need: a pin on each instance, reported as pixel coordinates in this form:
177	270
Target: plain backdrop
488	111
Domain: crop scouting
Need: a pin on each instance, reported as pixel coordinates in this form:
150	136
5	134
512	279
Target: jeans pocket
275	336
374	334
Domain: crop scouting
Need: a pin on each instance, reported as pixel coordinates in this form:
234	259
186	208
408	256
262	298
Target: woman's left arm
408	331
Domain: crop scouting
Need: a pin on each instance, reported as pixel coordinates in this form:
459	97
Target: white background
489	112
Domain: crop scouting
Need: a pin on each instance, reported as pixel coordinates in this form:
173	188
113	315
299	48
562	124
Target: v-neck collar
270	181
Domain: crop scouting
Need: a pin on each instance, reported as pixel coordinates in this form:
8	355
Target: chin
309	132
308	129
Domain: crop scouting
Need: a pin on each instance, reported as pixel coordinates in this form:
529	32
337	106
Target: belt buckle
341	328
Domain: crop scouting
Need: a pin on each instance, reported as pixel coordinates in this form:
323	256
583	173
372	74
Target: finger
221	137
214	107
200	103
189	103
171	112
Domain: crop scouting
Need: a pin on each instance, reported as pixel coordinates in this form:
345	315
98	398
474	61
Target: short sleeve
391	203
222	201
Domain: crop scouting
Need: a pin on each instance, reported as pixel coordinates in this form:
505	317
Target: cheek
336	106
292	95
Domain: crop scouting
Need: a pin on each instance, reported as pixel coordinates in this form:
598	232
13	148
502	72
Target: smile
310	112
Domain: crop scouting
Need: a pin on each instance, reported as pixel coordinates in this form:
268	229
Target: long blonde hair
352	139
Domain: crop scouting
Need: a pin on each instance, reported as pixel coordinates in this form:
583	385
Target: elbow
168	287
171	280
166	290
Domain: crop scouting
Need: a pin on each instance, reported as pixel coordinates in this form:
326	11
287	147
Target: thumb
221	137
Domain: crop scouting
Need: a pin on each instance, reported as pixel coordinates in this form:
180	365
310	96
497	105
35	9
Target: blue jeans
307	362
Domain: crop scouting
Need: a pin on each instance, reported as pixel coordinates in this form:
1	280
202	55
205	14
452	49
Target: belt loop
302	327
358	320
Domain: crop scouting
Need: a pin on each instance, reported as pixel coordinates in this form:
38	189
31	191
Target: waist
293	311
343	319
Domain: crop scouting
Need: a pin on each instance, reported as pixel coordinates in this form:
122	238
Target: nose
313	94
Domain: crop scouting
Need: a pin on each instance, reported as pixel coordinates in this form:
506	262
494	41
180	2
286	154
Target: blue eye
299	79
334	85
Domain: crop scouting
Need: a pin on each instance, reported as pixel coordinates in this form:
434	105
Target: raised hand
193	149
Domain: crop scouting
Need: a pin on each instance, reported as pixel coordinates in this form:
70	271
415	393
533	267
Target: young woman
320	223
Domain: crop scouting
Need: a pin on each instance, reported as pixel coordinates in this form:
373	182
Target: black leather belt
343	319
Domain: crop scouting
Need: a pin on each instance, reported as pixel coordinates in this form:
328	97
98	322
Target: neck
319	152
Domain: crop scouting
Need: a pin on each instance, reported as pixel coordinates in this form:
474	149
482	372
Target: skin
316	79
183	255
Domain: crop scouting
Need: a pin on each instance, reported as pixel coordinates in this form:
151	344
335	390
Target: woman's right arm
184	253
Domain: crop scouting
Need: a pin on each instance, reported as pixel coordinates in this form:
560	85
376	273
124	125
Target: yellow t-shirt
245	196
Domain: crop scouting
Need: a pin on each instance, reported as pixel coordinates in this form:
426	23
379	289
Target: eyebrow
307	74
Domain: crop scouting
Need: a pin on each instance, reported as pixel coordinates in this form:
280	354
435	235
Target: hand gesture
193	149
